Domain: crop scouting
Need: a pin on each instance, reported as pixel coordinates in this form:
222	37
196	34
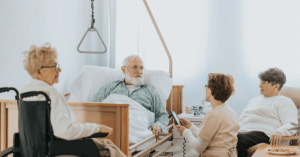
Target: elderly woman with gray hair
267	117
41	64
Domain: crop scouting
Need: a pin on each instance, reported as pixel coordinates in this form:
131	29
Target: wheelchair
35	137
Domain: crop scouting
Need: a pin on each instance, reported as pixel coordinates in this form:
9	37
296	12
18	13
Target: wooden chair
294	94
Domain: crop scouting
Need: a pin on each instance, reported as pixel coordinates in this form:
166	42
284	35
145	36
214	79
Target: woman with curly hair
217	135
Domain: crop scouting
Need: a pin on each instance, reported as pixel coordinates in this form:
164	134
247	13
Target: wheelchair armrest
6	152
98	135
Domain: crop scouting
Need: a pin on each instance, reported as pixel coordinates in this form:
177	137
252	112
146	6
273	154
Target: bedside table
178	140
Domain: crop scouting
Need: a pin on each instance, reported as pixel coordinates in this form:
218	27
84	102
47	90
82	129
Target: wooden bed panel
107	118
12	120
2	126
177	99
125	130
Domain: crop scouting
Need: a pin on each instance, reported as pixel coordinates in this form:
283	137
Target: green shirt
144	95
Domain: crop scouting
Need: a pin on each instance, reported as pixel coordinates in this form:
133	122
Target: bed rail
154	146
133	147
163	150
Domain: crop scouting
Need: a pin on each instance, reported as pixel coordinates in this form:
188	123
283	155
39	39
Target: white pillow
91	79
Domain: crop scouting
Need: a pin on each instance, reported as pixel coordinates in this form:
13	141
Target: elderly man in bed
134	87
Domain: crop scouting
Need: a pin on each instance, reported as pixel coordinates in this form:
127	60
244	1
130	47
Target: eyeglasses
136	68
206	86
55	66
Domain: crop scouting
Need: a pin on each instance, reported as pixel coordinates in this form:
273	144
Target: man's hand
275	138
180	129
67	96
156	130
106	129
187	124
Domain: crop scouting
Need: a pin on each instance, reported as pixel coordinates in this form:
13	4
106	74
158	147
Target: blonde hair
37	57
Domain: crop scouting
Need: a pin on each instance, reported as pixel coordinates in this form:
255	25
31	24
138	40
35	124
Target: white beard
137	81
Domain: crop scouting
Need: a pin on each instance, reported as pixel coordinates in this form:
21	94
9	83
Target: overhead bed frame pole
165	47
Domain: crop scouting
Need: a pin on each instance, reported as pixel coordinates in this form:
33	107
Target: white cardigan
62	117
269	115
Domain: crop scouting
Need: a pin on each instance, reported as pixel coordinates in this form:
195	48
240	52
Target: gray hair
36	57
273	75
128	59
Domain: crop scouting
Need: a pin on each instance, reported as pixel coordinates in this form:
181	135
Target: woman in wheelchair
41	64
217	135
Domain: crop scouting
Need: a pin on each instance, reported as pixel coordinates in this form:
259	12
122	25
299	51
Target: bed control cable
152	152
184	143
184	147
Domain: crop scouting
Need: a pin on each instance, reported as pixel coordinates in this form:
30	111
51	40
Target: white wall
224	53
235	37
61	23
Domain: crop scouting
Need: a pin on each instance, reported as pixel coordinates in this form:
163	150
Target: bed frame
115	116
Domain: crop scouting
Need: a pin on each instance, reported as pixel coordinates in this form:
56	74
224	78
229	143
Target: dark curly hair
221	86
273	75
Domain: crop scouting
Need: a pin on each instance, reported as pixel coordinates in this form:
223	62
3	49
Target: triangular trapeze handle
95	52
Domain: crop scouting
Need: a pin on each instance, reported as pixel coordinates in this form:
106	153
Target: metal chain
93	20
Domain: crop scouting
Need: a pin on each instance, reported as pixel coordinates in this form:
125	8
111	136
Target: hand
106	129
275	138
156	130
180	129
67	94
187	124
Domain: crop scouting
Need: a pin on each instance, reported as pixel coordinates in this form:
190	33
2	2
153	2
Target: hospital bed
92	78
83	88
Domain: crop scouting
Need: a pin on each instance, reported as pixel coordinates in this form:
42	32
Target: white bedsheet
139	119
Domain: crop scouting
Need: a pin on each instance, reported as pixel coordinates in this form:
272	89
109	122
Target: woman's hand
187	124
106	129
180	129
276	138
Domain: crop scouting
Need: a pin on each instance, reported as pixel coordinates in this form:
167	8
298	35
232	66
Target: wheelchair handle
7	89
34	93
